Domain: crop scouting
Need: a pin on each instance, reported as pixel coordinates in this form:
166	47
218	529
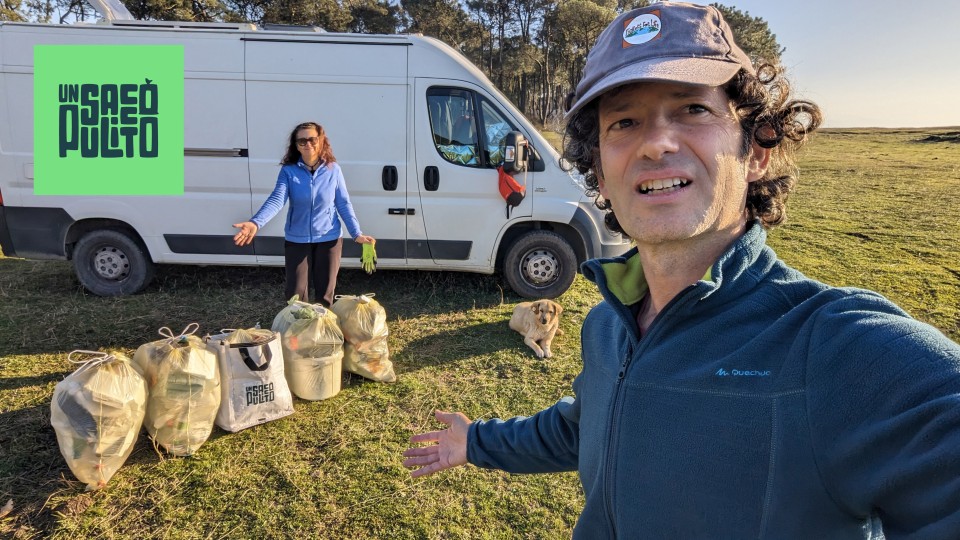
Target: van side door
460	133
358	92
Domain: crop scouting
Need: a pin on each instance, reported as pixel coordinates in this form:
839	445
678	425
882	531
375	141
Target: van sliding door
358	92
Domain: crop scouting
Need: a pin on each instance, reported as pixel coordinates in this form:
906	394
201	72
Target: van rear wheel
540	264
111	263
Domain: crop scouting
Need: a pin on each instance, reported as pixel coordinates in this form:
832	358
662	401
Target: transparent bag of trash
373	362
312	349
183	383
96	412
364	324
362	318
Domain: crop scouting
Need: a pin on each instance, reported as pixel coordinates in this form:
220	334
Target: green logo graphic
108	119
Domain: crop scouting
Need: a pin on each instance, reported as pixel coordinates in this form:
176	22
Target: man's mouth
662	185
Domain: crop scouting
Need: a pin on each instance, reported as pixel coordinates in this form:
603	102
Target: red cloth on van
510	189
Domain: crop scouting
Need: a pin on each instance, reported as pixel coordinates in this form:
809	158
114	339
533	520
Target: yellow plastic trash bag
362	318
373	362
96	412
312	349
364	324
183	384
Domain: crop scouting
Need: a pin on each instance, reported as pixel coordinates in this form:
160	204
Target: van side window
453	120
495	127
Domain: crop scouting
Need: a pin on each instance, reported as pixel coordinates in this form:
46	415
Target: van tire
540	264
110	262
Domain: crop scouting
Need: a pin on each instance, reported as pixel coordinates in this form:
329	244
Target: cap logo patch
641	29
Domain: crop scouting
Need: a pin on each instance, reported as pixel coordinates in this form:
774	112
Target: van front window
454	124
461	135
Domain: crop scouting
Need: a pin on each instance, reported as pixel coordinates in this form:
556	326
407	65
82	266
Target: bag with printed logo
253	388
183	386
97	412
312	349
364	324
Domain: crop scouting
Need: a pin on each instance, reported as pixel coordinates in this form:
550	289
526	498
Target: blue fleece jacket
316	201
760	404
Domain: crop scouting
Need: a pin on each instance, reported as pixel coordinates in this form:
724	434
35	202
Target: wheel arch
569	233
84	226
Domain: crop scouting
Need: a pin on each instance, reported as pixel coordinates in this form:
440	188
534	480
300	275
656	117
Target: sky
870	63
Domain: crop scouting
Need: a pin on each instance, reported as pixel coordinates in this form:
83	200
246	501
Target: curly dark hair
767	116
293	154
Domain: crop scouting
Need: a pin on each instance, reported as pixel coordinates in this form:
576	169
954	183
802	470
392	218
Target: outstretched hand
450	450
248	230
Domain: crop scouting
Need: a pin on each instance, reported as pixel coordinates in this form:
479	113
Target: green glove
369	258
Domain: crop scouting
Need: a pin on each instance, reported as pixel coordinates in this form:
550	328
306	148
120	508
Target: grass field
875	209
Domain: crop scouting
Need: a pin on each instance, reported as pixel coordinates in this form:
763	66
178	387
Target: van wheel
540	264
111	263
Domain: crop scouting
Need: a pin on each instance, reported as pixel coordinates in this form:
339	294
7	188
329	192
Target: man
723	394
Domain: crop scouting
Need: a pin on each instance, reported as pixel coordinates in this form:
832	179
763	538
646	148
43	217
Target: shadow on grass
31	467
46	311
436	349
14	383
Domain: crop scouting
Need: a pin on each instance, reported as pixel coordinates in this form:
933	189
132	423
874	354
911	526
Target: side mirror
516	152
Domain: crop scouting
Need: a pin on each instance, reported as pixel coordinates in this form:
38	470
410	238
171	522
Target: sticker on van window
108	119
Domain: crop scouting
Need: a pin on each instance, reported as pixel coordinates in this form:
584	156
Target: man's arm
548	441
545	442
884	409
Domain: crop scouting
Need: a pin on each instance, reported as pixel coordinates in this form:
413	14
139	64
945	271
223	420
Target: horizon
842	55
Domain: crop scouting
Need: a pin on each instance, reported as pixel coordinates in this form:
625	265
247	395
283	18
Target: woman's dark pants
319	261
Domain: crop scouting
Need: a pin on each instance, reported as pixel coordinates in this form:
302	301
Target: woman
313	183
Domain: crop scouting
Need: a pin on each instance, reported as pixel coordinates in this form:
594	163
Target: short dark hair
767	116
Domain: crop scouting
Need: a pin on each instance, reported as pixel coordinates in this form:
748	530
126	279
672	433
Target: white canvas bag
254	390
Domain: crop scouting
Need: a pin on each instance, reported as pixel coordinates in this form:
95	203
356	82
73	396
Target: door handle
431	178
402	211
389	178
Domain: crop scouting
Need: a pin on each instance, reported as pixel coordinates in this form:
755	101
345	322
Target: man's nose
657	138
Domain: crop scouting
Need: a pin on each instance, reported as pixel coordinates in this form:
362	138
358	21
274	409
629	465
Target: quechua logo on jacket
742	373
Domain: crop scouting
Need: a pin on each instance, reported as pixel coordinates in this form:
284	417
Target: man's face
671	160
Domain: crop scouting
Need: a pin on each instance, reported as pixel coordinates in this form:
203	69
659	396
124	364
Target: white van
417	129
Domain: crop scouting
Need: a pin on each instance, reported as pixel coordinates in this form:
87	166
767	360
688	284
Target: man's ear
757	162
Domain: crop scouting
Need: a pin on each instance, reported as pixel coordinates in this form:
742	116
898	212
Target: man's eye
622	124
696	109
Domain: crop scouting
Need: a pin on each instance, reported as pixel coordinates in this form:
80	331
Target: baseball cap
668	41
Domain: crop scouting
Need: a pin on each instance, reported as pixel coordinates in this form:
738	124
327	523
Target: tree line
533	50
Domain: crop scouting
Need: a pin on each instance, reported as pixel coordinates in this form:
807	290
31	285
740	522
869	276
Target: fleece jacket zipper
635	351
313	197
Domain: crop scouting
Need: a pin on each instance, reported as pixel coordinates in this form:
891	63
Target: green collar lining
627	282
